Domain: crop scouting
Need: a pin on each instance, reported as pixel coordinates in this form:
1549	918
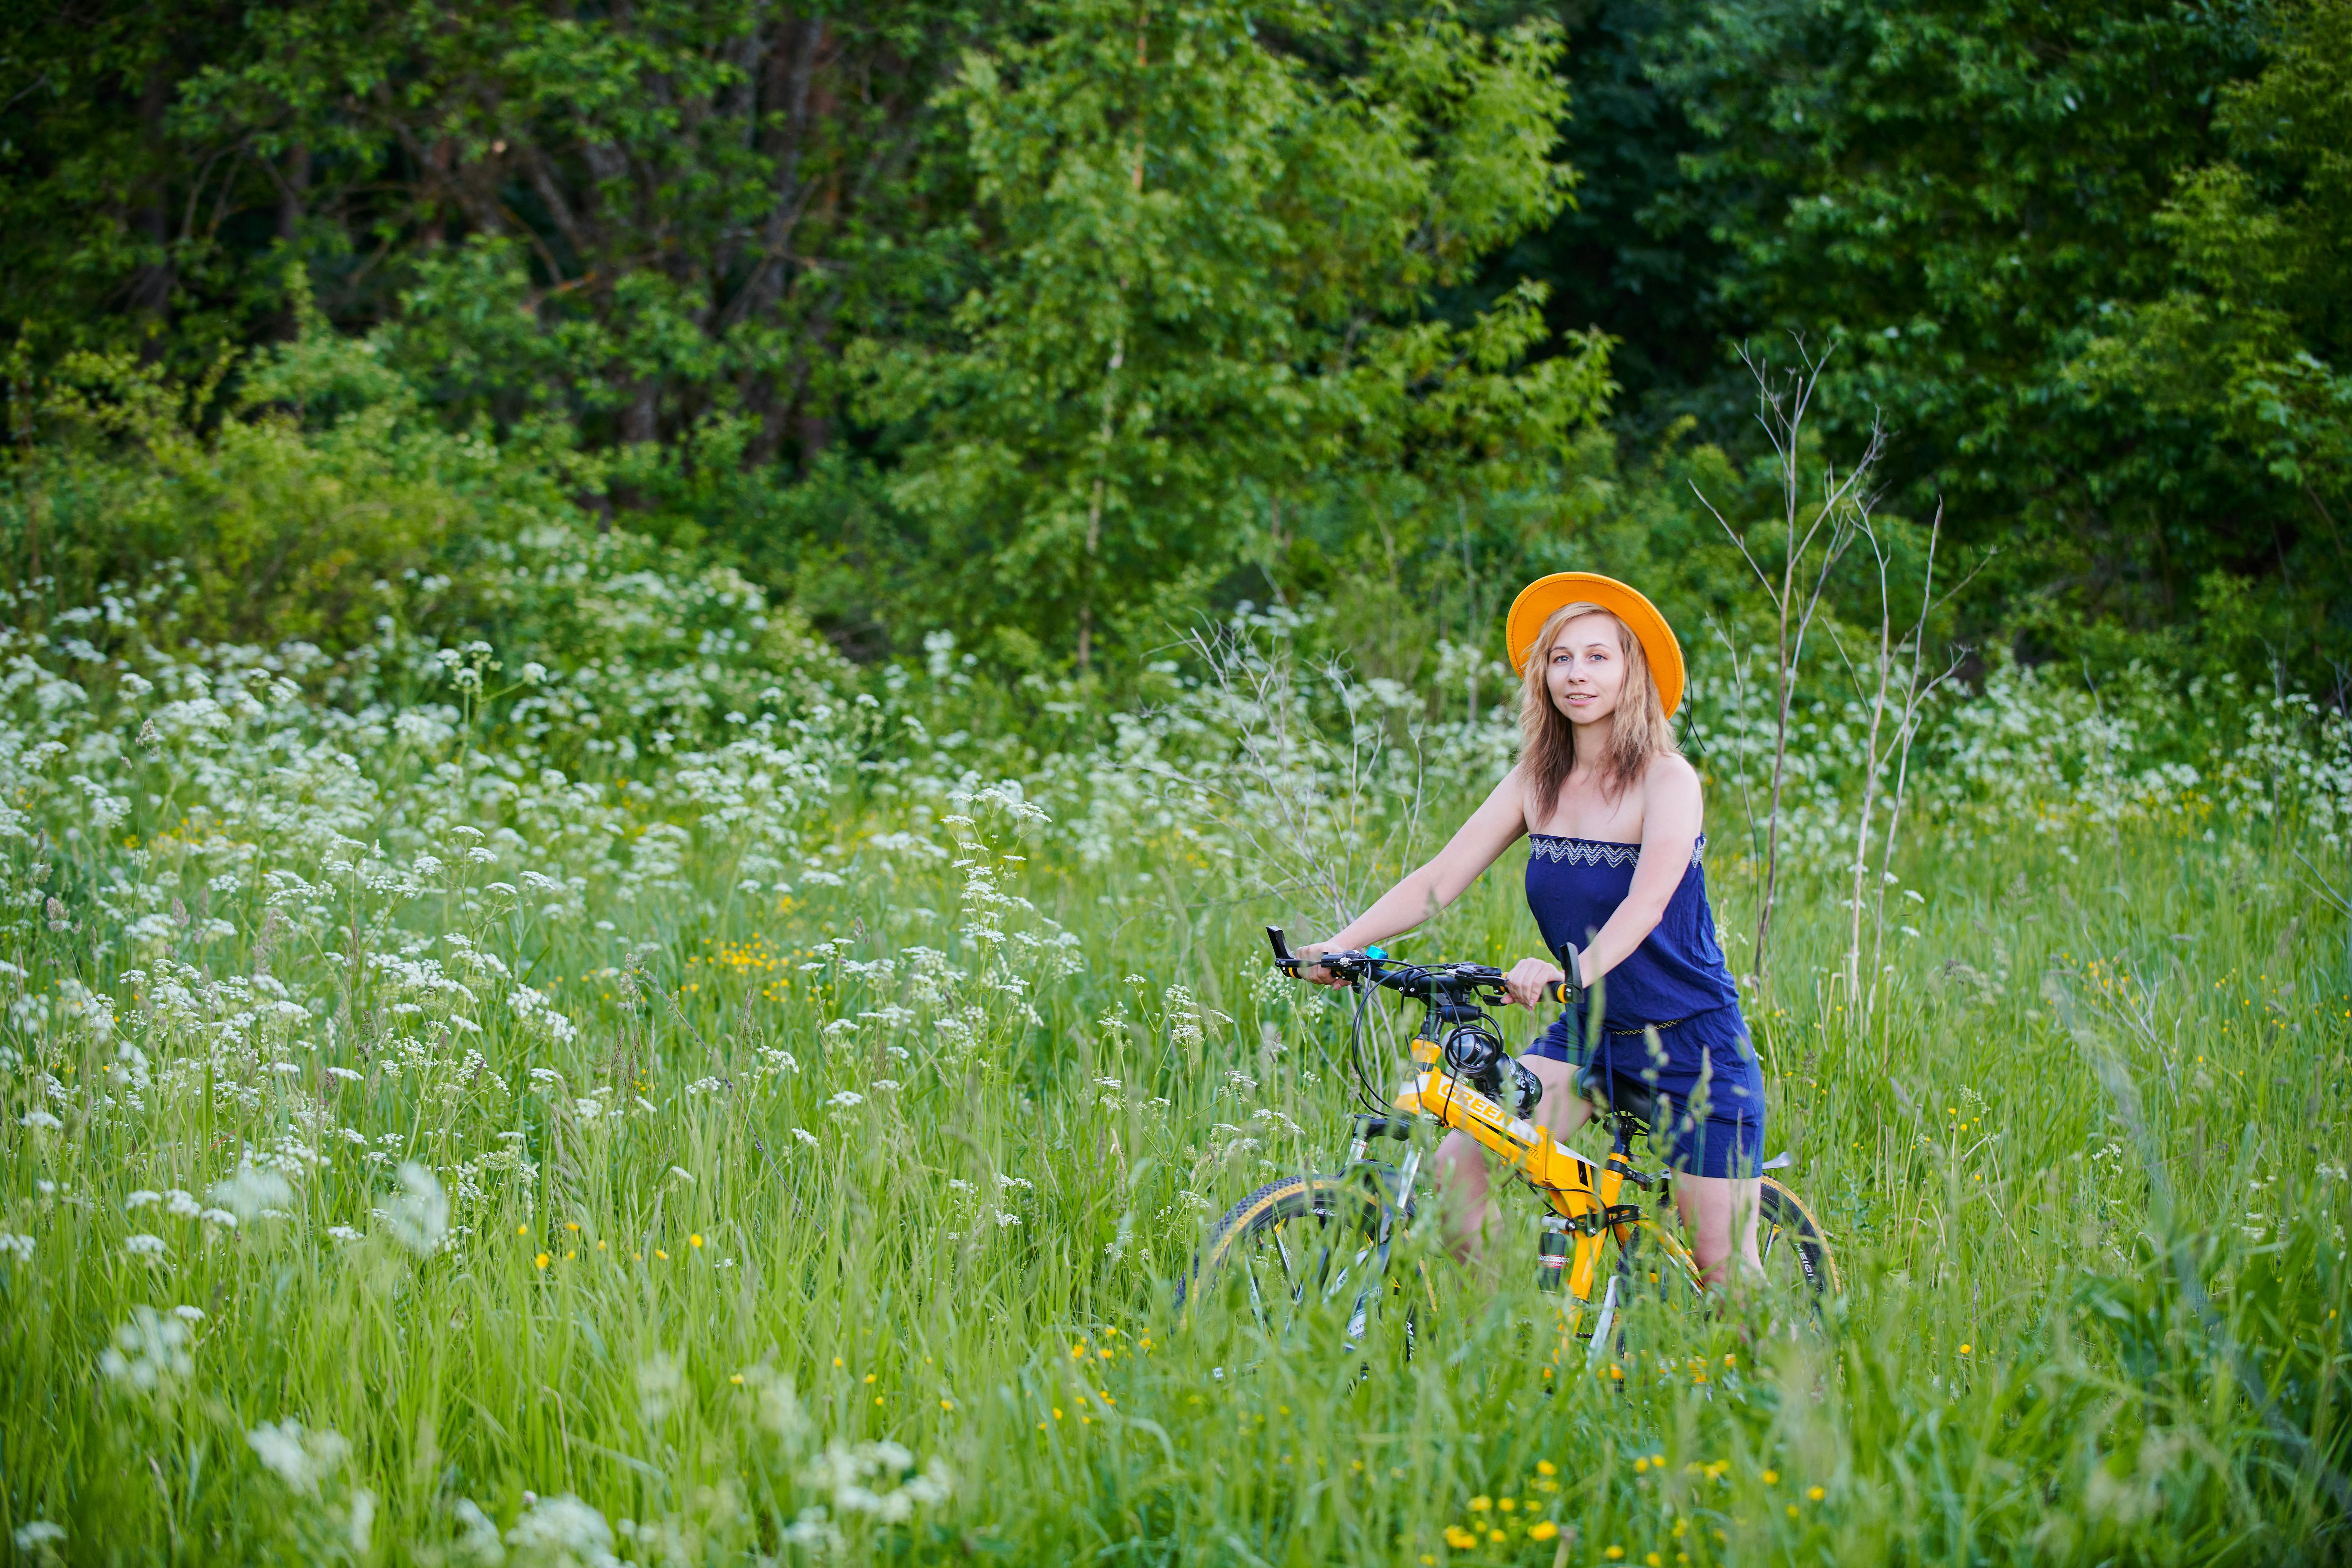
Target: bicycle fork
1368	1283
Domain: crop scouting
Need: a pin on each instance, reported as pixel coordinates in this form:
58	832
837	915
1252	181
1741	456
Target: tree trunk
151	284
293	186
438	162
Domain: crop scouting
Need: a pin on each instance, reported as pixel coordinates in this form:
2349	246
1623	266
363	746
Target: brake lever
1350	967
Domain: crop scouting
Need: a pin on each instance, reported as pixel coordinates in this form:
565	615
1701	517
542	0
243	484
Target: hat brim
1540	598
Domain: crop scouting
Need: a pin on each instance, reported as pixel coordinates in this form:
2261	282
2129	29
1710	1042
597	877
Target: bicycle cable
1367	1095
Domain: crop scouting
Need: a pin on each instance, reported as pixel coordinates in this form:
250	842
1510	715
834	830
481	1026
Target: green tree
1204	273
690	193
2249	342
1964	196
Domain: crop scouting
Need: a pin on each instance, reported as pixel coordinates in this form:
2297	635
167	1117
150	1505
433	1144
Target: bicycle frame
1584	1193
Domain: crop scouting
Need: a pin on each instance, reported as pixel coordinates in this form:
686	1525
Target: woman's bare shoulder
1512	787
1672	774
1671	798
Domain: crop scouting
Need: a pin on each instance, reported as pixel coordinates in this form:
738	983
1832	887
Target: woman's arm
1494	828
1672	813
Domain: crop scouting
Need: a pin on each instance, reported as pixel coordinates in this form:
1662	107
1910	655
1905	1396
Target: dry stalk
1815	535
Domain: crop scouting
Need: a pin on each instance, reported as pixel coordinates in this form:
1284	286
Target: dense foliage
1973	199
1137	310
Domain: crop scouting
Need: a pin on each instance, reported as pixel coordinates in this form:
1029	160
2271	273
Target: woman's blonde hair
1546	739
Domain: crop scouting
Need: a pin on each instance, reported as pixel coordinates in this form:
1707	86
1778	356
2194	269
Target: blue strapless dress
1675	983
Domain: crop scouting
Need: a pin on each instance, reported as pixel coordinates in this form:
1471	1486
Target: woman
1615	815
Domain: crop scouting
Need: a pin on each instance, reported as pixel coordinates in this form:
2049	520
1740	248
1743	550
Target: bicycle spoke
1258	1300
1290	1268
1340	1281
1325	1238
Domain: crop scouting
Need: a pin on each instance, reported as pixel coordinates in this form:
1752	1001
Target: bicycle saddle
1628	1097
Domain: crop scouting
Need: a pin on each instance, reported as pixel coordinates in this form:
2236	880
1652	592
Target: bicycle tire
1323	1211
1784	1221
1794	1248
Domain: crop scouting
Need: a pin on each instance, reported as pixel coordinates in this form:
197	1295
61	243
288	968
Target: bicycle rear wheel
1656	1270
1295	1242
1794	1247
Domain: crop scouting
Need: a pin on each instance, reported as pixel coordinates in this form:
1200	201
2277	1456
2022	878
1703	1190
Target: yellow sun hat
1540	598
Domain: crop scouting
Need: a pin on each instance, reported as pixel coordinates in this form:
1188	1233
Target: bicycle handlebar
1357	966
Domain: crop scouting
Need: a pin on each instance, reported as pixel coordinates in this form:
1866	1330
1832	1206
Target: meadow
707	1103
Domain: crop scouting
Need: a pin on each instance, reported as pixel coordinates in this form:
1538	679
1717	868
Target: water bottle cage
1609	1219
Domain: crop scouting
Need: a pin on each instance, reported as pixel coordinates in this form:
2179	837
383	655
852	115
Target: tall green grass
829	1203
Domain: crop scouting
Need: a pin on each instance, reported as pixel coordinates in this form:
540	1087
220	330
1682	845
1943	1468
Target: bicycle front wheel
1296	1241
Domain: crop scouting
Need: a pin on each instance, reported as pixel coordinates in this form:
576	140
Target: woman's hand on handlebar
1313	972
1531	981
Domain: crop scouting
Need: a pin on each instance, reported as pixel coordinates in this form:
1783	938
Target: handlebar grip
1570	991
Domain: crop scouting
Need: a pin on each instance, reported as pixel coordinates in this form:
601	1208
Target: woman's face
1587	669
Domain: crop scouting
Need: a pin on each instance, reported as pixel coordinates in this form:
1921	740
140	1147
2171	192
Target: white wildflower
661	1387
30	1537
810	1528
299	1458
562	1533
253	1189
148	1351
419	1215
141	1244
13	1243
878	1480
477	1536
360	1524
780	1405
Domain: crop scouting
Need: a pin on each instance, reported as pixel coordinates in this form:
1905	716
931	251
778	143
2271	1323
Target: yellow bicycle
1316	1237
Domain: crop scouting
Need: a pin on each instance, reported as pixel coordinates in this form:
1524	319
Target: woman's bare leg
1461	1178
1461	1162
1715	1209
